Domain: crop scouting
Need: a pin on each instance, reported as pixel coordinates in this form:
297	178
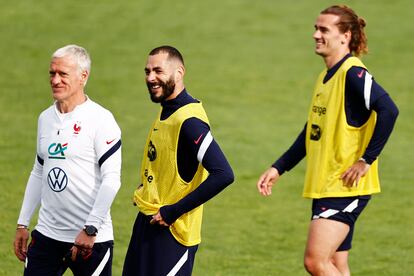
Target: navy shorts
47	256
343	209
153	250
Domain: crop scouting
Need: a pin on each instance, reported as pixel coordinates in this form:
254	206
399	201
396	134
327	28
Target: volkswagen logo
57	179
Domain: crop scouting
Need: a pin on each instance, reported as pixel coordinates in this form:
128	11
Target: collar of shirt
63	116
170	106
335	68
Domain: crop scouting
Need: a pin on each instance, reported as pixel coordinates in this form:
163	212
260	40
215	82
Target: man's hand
20	243
354	173
83	246
266	181
157	219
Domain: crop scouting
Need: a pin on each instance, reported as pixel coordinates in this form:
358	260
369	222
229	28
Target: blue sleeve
293	155
387	113
193	139
359	103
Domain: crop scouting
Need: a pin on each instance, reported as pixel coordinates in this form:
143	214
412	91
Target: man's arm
363	92
110	167
32	194
201	144
387	113
108	150
293	155
286	162
31	201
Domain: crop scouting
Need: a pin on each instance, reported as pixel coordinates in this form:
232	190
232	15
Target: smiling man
350	119
75	178
182	168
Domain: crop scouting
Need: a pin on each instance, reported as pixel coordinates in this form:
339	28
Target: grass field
252	64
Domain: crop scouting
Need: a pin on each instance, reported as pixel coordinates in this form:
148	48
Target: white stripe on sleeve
204	146
367	89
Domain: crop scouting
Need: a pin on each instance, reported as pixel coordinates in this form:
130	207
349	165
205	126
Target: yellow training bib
332	145
161	182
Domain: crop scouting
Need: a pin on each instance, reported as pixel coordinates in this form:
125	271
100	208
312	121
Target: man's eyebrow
154	68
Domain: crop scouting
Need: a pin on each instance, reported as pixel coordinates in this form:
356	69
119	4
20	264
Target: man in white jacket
75	178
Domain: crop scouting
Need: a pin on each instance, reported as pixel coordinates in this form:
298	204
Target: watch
90	230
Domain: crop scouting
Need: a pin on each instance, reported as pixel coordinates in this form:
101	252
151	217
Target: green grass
252	64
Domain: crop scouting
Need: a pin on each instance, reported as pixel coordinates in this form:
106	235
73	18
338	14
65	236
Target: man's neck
331	60
69	105
177	91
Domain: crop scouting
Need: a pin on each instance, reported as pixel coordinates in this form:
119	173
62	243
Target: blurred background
253	66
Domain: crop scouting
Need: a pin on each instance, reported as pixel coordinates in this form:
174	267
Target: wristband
365	161
20	226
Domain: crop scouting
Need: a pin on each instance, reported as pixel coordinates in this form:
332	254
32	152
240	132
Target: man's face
327	36
65	79
160	77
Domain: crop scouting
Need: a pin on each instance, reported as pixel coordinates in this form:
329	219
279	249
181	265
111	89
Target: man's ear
179	76
347	36
84	77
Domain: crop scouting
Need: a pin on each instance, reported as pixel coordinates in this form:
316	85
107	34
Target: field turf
253	66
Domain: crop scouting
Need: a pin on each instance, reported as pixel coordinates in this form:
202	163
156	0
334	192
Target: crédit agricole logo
57	150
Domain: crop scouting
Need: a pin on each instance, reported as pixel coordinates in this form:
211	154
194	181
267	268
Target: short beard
167	89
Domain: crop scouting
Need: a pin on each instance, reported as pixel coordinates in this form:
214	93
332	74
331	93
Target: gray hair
79	55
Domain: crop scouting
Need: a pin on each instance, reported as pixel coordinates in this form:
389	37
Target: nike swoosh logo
198	140
361	73
108	142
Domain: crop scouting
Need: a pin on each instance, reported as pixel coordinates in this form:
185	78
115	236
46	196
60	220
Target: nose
151	76
316	34
54	79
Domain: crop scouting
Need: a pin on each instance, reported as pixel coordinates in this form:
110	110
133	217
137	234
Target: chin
58	96
319	52
155	98
155	95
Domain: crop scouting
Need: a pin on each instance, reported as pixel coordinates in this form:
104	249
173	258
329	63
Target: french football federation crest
76	128
152	152
315	133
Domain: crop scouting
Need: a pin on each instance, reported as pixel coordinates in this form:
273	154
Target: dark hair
172	52
349	21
